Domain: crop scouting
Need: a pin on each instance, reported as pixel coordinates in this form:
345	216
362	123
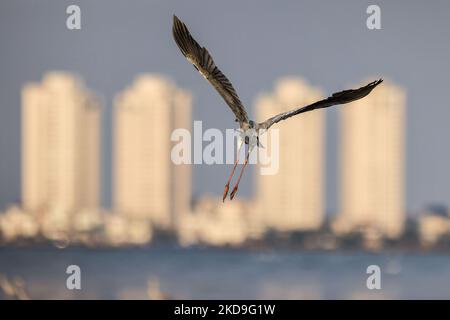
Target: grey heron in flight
204	63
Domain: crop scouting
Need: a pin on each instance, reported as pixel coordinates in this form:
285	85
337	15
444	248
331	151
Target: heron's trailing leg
235	189
227	186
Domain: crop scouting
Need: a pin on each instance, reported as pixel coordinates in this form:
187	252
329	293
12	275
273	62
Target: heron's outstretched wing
342	97
203	62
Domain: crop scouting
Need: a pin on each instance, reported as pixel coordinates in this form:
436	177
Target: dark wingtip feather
376	82
176	24
180	35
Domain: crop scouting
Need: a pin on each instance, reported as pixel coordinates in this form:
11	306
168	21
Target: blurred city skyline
117	42
153	192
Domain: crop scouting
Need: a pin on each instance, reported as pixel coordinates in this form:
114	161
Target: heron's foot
233	193
225	192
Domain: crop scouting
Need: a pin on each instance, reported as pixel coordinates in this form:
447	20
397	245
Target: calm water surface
218	273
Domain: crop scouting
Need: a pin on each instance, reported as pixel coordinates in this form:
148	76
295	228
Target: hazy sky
254	43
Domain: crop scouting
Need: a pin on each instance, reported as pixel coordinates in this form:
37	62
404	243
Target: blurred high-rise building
372	163
147	184
293	198
60	145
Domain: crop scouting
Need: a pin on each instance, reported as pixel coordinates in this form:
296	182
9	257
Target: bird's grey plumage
204	63
341	97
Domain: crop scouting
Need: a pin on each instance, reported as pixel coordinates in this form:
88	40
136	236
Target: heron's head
251	124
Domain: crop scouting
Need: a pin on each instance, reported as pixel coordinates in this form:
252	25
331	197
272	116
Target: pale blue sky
253	42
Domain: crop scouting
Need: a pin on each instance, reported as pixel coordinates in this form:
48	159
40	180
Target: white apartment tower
60	145
147	184
372	163
293	198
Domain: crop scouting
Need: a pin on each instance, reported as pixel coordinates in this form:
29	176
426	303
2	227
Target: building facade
147	183
293	198
372	163
60	145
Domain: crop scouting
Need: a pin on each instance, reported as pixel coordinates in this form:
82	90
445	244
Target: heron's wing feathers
203	62
341	97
